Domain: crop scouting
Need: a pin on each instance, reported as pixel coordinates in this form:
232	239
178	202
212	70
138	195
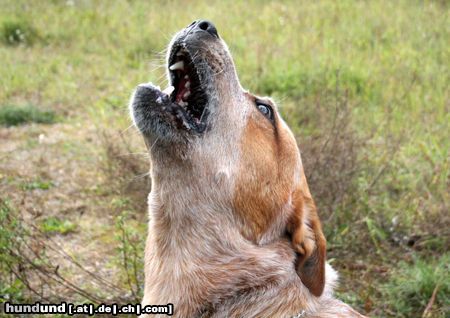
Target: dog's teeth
179	54
177	66
169	90
187	94
186	77
188	84
182	103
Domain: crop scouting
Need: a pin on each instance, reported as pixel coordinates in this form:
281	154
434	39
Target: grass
55	225
37	184
413	286
11	287
363	85
130	248
18	32
19	115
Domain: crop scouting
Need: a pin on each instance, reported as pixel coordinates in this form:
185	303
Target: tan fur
233	229
270	166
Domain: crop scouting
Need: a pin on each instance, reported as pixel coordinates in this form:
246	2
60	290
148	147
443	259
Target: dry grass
45	269
127	169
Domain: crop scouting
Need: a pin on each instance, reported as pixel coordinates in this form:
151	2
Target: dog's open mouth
187	92
183	104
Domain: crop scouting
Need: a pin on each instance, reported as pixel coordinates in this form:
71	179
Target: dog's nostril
203	25
208	27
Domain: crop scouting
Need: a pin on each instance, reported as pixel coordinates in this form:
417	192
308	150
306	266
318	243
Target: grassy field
363	84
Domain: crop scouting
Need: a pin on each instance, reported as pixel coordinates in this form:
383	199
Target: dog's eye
266	110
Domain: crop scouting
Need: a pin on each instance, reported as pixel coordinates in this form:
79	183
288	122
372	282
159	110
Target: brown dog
233	228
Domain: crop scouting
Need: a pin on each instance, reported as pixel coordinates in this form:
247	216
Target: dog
233	228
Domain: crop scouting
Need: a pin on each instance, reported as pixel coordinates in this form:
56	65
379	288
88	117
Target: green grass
413	284
56	225
389	60
37	184
130	253
19	115
18	32
11	288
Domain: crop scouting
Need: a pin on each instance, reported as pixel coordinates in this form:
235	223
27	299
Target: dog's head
229	140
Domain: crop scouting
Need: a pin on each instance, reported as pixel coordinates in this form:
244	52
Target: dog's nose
207	26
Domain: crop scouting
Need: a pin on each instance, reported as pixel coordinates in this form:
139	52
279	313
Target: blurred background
363	84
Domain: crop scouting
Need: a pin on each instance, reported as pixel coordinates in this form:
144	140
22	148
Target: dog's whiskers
126	129
154	143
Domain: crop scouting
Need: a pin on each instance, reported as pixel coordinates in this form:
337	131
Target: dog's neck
194	241
186	203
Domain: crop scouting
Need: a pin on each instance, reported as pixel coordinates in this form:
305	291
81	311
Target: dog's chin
156	115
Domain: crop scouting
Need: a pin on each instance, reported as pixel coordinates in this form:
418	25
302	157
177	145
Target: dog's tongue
182	89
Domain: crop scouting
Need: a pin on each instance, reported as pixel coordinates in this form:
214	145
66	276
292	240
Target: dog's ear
308	240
